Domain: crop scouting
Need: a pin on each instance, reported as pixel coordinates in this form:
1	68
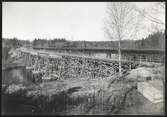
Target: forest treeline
153	41
8	44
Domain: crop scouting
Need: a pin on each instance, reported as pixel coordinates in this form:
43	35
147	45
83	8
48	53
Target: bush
5	54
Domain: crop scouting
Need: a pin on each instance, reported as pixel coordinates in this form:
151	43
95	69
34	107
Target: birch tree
122	23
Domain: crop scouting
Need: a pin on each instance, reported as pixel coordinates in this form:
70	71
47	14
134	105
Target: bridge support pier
130	66
29	75
37	76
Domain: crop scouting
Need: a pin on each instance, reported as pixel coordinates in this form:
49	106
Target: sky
70	20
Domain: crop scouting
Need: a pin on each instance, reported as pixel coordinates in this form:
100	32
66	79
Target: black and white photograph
83	58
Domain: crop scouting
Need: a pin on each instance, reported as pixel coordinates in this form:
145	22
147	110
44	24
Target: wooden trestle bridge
43	66
142	55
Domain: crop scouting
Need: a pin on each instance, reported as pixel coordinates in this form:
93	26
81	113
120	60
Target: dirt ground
83	96
135	103
142	106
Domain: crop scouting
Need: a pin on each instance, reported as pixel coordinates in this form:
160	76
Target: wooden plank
150	92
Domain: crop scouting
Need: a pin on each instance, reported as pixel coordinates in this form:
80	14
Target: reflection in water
15	75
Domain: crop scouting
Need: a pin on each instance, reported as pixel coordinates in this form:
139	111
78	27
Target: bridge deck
59	55
113	50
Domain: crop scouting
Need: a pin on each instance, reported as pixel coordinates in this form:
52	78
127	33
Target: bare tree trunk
119	57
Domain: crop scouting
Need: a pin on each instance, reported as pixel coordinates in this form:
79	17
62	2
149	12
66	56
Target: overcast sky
70	20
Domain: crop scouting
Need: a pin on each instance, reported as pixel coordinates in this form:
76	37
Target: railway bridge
143	55
44	66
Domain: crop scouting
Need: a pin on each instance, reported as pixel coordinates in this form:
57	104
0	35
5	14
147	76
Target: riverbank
76	96
85	96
